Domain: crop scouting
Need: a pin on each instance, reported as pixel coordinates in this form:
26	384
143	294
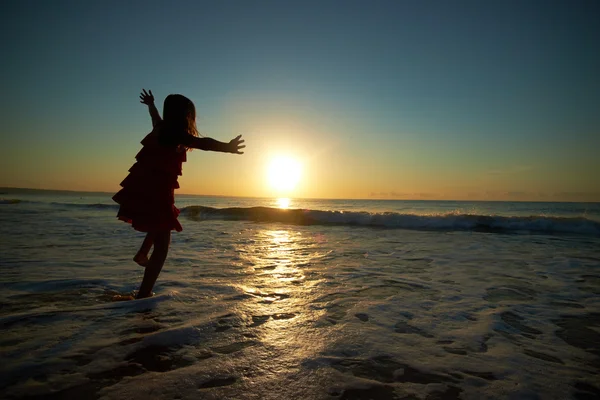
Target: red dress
147	199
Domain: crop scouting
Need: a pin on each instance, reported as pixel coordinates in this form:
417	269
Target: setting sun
284	173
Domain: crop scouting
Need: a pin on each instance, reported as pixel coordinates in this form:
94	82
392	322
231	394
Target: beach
324	299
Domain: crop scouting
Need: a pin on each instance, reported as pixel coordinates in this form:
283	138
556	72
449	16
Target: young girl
147	199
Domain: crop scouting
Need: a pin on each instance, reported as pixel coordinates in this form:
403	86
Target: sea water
301	299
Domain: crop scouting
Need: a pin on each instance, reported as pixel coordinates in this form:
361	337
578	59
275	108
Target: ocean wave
446	222
10	201
97	206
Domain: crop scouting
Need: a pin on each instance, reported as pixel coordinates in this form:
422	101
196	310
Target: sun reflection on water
283	202
277	253
278	286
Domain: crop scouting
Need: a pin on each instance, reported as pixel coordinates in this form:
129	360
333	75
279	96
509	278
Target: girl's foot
141	259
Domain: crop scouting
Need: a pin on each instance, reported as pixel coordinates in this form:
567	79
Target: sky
473	100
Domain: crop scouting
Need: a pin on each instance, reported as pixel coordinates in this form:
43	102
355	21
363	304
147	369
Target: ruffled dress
147	197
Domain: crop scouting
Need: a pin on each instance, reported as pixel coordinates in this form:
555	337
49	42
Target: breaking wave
96	206
447	222
10	201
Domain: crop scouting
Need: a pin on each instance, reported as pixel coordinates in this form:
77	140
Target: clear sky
386	99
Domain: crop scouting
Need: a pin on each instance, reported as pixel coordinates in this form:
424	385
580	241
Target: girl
147	199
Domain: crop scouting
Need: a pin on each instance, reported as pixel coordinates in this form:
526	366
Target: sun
284	173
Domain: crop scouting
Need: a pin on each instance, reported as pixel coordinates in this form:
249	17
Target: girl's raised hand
236	145
146	98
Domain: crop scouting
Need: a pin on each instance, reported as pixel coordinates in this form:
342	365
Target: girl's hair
179	115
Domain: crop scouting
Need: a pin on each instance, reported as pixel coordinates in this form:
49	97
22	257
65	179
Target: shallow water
255	309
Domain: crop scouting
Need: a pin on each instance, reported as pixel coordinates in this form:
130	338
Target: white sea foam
446	221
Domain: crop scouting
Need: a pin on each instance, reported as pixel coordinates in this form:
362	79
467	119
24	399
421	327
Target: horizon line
310	198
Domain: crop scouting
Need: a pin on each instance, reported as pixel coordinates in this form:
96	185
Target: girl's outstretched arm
148	99
205	143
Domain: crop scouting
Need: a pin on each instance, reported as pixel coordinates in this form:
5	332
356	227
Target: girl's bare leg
141	256
162	240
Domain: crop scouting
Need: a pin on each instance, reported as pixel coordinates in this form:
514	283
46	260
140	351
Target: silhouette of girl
147	198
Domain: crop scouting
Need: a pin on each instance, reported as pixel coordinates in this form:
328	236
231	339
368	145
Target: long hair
179	115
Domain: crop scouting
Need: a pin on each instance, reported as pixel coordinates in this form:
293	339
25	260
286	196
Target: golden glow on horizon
283	202
284	173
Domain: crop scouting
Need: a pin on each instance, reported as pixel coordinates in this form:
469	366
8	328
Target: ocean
301	299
